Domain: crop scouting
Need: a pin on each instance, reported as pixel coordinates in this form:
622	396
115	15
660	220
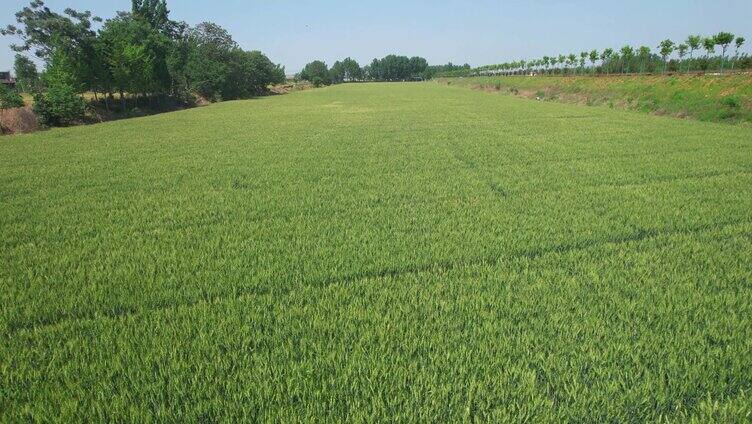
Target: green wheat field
378	252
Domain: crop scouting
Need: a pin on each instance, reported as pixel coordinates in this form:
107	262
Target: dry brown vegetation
18	120
290	87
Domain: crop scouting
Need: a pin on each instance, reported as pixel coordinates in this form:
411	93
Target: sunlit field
378	252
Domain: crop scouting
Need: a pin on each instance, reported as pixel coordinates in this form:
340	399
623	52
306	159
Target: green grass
708	98
373	252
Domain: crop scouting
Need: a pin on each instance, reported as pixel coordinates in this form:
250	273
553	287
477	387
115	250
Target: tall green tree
666	47
317	73
644	54
129	62
396	68
572	60
59	103
43	30
400	68
374	70
27	76
723	39
739	42
709	45
593	56
583	59
207	61
606	59
154	12
352	70
337	73
250	74
682	50
418	66
141	54
177	62
627	54
210	53
694	42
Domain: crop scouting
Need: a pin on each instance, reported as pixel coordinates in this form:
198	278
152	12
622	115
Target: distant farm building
7	80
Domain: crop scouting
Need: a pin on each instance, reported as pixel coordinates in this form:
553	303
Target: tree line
668	56
141	55
388	68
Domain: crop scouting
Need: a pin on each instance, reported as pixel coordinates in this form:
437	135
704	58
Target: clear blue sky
479	32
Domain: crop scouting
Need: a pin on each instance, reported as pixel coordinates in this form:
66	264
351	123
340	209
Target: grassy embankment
378	252
23	120
705	97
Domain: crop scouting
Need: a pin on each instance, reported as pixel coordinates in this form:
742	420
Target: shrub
733	102
59	105
10	98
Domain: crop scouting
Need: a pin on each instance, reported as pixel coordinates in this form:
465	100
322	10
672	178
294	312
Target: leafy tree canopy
317	73
39	28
